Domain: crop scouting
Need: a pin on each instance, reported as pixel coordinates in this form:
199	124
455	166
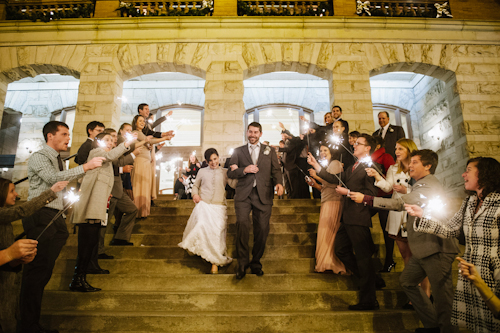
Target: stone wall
225	53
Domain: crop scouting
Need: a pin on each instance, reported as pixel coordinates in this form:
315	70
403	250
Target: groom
256	167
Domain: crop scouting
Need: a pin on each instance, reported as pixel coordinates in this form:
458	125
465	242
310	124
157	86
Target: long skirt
205	233
142	181
329	224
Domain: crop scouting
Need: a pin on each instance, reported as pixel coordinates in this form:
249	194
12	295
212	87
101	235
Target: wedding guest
143	174
205	233
479	220
391	133
90	212
126	179
354	243
191	171
93	128
330	214
14	254
45	168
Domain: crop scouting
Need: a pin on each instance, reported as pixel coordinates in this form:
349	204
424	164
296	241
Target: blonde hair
410	146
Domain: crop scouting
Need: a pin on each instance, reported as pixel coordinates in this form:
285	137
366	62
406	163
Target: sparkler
71	197
102	144
432	206
159	156
129	137
231	151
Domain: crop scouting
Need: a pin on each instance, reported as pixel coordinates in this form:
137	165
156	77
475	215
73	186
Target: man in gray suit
432	256
256	167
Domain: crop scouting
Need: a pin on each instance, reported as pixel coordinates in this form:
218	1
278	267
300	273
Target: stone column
106	8
224	107
225	8
351	91
3	94
98	99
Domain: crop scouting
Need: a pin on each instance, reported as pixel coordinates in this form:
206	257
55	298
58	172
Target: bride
205	233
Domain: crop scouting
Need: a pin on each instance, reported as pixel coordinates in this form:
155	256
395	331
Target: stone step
276	210
239	321
276	202
222	282
104	301
312	217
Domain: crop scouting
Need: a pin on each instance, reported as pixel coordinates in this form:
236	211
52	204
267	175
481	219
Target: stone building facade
346	51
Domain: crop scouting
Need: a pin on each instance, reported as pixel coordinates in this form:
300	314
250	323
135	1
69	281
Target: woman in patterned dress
479	217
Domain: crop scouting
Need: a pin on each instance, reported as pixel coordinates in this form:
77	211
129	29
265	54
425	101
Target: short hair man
432	256
45	168
354	244
93	129
337	116
390	133
143	110
254	165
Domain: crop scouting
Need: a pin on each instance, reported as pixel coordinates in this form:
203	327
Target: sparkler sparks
72	197
129	137
367	160
159	156
323	162
102	144
231	151
432	206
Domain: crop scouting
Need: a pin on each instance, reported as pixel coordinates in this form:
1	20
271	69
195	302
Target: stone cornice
248	29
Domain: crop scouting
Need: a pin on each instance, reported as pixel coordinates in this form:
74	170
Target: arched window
271	114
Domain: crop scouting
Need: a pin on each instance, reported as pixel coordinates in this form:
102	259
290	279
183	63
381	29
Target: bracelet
489	298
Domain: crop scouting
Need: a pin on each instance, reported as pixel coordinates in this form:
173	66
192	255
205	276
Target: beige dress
329	223
143	178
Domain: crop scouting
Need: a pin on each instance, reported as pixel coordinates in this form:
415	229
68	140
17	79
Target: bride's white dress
205	233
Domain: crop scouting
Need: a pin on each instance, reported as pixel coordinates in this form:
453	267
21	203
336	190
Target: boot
79	283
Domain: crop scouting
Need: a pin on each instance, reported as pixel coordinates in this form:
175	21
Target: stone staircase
156	286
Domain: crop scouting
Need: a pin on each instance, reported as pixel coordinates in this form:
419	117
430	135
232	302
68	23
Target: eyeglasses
359	143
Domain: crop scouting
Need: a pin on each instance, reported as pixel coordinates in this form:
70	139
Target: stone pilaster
351	91
224	107
99	98
3	94
478	87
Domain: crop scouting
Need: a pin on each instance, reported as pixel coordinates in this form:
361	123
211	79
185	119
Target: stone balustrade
284	8
48	10
166	8
405	8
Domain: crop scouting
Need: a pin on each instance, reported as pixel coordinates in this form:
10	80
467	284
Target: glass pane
187	126
404	124
70	121
168	172
269	119
250	118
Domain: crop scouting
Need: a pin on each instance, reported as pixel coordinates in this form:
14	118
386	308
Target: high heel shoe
387	269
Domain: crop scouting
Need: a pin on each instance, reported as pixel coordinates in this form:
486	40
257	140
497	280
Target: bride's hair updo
209	152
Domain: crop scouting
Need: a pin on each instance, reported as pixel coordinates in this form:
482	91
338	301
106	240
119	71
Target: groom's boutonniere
267	150
391	129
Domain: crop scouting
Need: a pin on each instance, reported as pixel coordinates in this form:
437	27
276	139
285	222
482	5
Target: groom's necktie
254	156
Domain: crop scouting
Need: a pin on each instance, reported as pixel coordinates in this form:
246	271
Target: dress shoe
365	306
388	268
120	242
241	272
97	271
408	306
428	330
79	283
258	271
105	256
379	283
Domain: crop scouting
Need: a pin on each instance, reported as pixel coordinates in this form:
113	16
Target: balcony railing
48	11
166	8
403	8
284	8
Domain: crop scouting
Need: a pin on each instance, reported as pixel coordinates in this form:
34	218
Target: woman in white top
398	180
205	233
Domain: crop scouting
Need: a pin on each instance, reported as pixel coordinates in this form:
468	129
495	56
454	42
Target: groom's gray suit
258	199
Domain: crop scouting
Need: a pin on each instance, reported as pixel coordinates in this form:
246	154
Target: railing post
106	8
225	8
3	15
